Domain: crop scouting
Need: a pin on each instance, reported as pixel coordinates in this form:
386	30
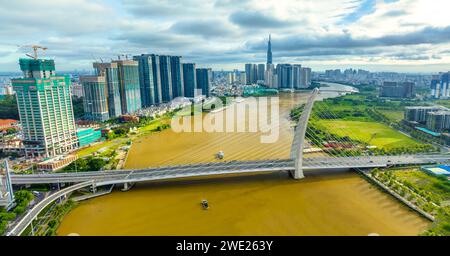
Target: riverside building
44	101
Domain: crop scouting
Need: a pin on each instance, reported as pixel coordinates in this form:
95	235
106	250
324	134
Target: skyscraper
269	52
269	76
45	109
285	76
440	86
176	72
251	73
397	90
438	121
203	76
148	79
189	79
243	78
305	79
248	71
130	92
260	72
297	76
157	78
95	101
110	72
166	78
231	78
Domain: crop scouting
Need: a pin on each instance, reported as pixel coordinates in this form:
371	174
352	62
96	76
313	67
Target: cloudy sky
379	35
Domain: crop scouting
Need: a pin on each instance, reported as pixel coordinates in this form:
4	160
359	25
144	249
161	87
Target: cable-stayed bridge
233	167
297	165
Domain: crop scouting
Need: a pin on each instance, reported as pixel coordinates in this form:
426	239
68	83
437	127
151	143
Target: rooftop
8	121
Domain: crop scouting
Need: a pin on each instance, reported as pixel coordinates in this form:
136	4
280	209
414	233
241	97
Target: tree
10	131
78	109
95	164
120	131
8	108
80	165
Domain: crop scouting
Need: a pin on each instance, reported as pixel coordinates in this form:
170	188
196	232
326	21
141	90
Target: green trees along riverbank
22	199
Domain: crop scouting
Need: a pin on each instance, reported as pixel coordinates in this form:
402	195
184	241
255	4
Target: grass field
430	183
394	115
105	144
445	103
373	133
117	142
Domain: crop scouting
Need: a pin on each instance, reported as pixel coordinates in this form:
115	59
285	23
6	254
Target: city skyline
402	36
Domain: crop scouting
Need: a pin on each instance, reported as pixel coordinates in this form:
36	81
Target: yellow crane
35	49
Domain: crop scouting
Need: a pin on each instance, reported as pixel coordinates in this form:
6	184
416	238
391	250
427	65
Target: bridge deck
155	173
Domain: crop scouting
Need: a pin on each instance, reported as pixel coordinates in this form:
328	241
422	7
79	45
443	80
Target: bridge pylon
6	189
299	136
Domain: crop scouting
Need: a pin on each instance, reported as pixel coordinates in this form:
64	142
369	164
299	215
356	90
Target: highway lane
229	167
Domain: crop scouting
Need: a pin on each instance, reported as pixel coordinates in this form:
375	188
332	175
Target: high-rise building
285	76
248	70
268	76
166	78
130	91
149	81
189	79
6	89
251	72
176	76
111	74
419	114
44	101
254	74
397	90
243	78
297	76
305	77
269	51
440	86
95	101
438	121
231	78
260	72
203	76
77	90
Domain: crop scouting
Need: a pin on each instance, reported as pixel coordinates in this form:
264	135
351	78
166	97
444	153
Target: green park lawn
438	187
394	115
91	149
383	135
117	142
445	103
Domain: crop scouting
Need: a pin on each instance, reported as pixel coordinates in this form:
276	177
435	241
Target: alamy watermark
230	115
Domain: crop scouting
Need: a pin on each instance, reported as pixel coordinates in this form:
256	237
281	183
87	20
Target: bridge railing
26	220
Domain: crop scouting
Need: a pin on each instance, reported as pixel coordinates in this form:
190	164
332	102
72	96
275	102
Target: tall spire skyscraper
269	52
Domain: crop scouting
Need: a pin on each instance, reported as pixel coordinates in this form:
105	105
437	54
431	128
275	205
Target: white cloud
220	33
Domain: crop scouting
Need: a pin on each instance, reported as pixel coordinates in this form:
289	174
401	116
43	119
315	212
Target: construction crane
123	55
35	49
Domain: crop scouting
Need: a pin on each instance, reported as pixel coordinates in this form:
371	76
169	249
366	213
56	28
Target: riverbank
373	179
339	204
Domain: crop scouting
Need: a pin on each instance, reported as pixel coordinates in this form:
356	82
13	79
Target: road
155	173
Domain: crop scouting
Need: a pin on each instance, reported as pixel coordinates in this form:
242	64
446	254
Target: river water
258	204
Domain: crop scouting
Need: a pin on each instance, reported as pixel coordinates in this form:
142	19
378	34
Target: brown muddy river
258	204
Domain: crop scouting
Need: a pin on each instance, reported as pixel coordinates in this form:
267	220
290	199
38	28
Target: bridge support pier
299	137
127	186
